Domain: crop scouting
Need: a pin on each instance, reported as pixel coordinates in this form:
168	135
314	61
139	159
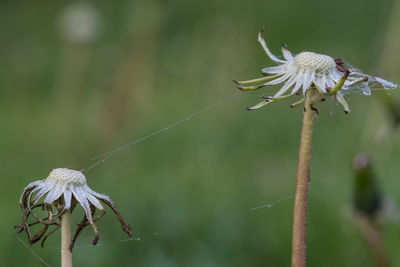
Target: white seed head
317	62
331	77
67	176
59	192
81	23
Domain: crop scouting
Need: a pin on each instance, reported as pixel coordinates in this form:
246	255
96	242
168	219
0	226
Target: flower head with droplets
59	192
298	73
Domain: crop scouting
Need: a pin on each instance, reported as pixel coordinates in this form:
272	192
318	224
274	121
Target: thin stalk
373	237
302	181
66	253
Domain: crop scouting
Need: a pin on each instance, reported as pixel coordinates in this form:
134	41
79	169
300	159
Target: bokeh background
78	79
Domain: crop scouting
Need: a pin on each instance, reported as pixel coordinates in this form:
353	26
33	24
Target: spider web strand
32	251
102	158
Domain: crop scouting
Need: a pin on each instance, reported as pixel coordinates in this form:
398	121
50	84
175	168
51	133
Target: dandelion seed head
62	191
67	176
329	77
81	22
319	63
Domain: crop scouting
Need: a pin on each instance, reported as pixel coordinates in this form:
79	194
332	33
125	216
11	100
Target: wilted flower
63	189
329	76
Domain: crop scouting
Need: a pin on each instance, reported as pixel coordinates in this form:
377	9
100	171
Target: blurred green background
81	78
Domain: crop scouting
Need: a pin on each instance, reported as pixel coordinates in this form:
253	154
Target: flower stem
302	181
373	237
66	253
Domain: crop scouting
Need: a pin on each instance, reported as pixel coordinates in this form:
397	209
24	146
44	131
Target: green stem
66	253
302	181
